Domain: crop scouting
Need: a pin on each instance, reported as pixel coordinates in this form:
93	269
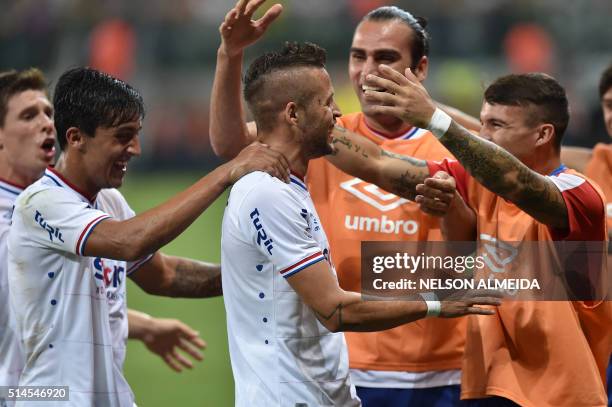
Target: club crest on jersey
107	274
262	237
53	232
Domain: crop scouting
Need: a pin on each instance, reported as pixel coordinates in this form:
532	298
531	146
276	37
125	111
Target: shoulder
261	190
584	192
41	191
259	185
350	121
112	201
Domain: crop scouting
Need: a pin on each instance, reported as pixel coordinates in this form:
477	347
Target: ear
75	139
1	138
545	134
291	114
421	69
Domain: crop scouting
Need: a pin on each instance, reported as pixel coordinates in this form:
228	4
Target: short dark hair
87	99
14	82
259	91
420	43
605	83
537	90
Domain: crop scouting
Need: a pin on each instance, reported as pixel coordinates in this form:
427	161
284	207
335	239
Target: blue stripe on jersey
96	222
411	133
558	170
53	179
8	189
296	181
310	263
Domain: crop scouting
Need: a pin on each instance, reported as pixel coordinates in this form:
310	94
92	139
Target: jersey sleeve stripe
139	263
80	246
289	274
300	265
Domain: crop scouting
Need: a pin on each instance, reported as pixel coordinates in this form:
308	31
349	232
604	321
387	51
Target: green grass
210	383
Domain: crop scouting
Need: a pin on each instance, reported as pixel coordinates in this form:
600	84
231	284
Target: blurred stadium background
167	50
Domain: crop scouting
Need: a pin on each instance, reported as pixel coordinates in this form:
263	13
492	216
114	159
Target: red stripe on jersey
299	263
85	231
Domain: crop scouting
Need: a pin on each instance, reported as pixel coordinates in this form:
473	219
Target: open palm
239	30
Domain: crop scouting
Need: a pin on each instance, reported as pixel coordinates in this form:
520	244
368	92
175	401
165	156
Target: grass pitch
154	384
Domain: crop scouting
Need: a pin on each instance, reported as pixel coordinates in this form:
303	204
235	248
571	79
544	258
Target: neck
71	170
387	126
283	142
545	162
16	176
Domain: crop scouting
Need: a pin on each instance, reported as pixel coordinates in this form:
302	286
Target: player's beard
319	143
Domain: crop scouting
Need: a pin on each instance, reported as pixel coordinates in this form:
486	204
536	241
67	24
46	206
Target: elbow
133	250
221	149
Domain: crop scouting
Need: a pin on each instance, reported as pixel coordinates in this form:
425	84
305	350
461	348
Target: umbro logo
382	200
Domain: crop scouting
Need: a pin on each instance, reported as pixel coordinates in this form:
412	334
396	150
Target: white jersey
11	356
62	300
281	354
114	275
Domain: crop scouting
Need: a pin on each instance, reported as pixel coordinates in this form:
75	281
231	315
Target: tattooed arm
505	175
172	276
360	157
340	310
491	165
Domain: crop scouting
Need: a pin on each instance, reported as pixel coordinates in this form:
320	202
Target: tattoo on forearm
346	143
194	279
410	160
505	175
405	183
338	310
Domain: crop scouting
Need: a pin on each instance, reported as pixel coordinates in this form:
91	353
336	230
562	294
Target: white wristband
434	307
439	124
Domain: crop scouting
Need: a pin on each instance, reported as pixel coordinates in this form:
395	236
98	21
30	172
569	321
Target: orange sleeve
456	170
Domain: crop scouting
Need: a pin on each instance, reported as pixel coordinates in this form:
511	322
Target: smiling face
381	42
105	156
320	114
511	128
28	135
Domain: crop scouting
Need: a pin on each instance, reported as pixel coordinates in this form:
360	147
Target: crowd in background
167	49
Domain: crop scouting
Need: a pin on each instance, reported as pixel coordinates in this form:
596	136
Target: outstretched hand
402	96
471	302
239	30
163	338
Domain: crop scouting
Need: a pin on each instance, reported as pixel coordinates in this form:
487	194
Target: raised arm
229	132
340	310
147	232
172	276
491	165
